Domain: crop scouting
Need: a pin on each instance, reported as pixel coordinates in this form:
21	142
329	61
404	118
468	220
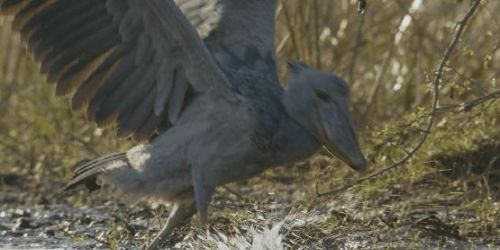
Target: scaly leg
203	195
181	212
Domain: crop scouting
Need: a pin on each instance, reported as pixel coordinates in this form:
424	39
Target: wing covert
240	34
131	63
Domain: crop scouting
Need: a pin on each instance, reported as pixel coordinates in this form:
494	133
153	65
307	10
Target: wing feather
163	90
115	65
134	119
240	33
148	129
175	101
60	26
124	61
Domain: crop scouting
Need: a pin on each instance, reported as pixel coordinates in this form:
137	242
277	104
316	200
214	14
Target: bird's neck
295	142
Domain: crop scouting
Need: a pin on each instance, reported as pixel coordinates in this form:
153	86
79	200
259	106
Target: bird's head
319	102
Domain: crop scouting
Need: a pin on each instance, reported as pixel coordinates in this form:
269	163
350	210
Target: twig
362	6
469	105
357	46
230	190
292	32
317	45
379	78
459	28
387	60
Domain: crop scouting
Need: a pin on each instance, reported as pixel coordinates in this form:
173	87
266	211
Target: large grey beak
337	135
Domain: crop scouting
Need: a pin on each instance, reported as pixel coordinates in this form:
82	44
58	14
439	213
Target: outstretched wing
204	15
239	33
131	63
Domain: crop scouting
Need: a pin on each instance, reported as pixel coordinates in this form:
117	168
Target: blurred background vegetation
389	56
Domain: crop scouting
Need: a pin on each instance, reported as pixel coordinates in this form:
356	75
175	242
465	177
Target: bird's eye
323	96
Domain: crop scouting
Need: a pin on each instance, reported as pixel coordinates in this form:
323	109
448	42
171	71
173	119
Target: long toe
155	244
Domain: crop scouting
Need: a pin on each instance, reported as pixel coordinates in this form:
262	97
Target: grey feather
176	101
132	120
149	127
112	64
8	7
164	85
211	111
80	47
97	166
143	47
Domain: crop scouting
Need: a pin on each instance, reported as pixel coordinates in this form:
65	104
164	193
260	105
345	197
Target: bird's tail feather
88	171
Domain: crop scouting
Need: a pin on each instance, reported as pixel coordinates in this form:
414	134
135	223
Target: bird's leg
202	194
181	212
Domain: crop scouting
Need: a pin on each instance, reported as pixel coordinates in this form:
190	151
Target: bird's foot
155	244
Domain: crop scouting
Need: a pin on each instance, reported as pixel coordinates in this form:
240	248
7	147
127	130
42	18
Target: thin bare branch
469	105
357	46
291	29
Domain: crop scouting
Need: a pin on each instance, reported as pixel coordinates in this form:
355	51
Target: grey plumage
109	53
196	82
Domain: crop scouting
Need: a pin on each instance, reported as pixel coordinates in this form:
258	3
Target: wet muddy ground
284	213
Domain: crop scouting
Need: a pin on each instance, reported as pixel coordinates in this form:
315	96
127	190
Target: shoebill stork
193	81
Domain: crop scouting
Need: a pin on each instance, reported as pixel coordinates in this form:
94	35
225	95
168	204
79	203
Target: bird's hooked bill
352	157
338	136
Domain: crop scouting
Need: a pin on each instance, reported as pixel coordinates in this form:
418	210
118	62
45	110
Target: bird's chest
292	143
265	125
263	104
